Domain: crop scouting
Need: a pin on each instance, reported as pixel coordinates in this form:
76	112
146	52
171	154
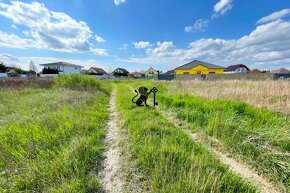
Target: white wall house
237	69
64	67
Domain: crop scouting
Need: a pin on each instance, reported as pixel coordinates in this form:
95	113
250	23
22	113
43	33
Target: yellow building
199	67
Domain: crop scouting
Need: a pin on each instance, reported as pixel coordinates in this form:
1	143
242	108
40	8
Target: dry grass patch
274	95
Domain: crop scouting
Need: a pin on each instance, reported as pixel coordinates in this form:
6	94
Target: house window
198	72
185	72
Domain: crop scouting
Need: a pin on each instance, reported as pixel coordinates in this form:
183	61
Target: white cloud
124	47
13	41
198	26
118	2
274	16
142	45
267	45
266	56
221	7
48	29
188	29
100	52
99	39
9	57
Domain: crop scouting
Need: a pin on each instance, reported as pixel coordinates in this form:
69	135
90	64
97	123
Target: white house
64	67
237	69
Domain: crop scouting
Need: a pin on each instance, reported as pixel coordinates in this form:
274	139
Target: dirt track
236	166
112	175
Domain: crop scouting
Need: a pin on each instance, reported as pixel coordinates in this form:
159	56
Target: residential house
151	72
97	71
9	69
199	67
120	72
136	74
169	72
280	71
255	71
64	67
237	69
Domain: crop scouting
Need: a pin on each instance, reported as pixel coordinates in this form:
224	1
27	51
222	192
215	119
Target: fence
281	76
166	77
216	77
249	76
3	75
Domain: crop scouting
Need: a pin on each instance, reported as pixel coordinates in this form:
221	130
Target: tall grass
51	140
169	160
274	95
81	82
259	136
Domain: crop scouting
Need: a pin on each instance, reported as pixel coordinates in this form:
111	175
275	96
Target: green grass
168	159
82	82
52	139
258	136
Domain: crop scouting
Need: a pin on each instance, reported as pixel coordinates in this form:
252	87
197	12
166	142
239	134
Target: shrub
50	70
81	82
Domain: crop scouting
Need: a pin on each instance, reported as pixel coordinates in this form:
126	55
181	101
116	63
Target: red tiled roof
280	71
255	71
98	70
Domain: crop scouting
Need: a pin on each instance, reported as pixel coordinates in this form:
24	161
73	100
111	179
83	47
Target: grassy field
274	95
258	136
51	139
169	160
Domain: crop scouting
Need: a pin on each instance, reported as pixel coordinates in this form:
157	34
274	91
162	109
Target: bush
81	82
50	70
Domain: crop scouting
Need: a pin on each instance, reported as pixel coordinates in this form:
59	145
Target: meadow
168	159
273	95
52	139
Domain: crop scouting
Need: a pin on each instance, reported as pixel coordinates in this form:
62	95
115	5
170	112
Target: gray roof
195	63
60	64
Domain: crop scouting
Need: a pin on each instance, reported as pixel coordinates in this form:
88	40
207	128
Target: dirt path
113	177
238	167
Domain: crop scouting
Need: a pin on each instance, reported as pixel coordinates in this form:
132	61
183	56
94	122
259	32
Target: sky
138	34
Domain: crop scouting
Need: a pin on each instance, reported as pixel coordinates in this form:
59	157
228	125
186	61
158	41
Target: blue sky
137	34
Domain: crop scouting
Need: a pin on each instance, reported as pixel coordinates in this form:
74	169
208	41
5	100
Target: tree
32	67
16	72
49	70
2	67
